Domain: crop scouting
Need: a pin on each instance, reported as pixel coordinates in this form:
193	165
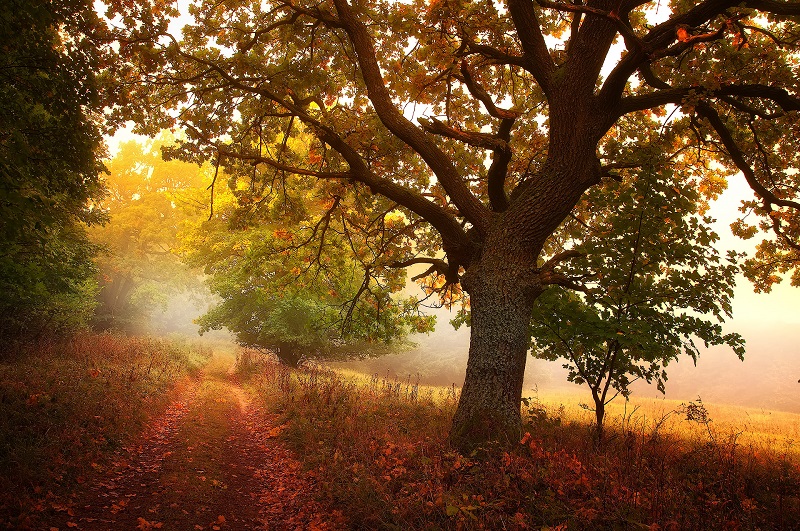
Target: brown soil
212	461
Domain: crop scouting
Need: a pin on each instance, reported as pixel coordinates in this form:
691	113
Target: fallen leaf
144	525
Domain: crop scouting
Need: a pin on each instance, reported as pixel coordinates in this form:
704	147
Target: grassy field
759	429
67	405
378	447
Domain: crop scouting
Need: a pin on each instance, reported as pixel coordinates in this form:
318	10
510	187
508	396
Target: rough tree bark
489	407
503	284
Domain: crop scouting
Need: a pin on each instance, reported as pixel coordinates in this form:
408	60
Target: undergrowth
68	404
378	448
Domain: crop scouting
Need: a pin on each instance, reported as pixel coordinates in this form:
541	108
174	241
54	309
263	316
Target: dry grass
68	404
379	449
757	429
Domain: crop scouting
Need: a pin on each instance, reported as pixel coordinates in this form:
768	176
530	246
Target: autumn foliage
378	448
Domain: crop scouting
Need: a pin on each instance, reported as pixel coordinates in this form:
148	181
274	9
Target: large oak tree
484	123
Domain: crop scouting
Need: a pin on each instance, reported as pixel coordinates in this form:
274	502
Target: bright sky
779	306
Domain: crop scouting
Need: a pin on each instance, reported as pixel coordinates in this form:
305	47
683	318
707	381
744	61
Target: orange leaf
144	525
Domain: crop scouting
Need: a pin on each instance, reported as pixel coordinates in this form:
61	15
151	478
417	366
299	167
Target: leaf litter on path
212	461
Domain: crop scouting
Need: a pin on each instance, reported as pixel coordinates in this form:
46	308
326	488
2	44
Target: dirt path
211	462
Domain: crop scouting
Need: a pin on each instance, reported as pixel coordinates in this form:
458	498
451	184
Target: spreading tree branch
480	94
441	165
452	233
480	140
498	171
539	63
738	157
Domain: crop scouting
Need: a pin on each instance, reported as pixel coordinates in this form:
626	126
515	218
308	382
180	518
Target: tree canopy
281	293
150	202
51	103
484	124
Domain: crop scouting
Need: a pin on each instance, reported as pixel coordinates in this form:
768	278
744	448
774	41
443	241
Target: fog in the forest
176	318
767	378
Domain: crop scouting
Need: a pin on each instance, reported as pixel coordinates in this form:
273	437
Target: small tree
651	283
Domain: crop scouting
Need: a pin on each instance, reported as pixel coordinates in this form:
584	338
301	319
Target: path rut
212	461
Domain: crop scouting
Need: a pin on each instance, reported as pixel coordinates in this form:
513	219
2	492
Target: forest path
210	462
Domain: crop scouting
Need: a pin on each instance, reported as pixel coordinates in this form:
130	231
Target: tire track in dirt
212	461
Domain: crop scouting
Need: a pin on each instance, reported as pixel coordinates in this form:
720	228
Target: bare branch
211	186
288	21
481	95
436	266
775	7
498	171
657	43
560	257
496	56
348	319
481	140
574	26
780	96
738	157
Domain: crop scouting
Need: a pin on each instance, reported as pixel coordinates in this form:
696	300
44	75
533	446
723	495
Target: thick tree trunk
489	408
289	354
503	283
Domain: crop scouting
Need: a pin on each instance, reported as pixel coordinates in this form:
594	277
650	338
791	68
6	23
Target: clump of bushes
66	405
